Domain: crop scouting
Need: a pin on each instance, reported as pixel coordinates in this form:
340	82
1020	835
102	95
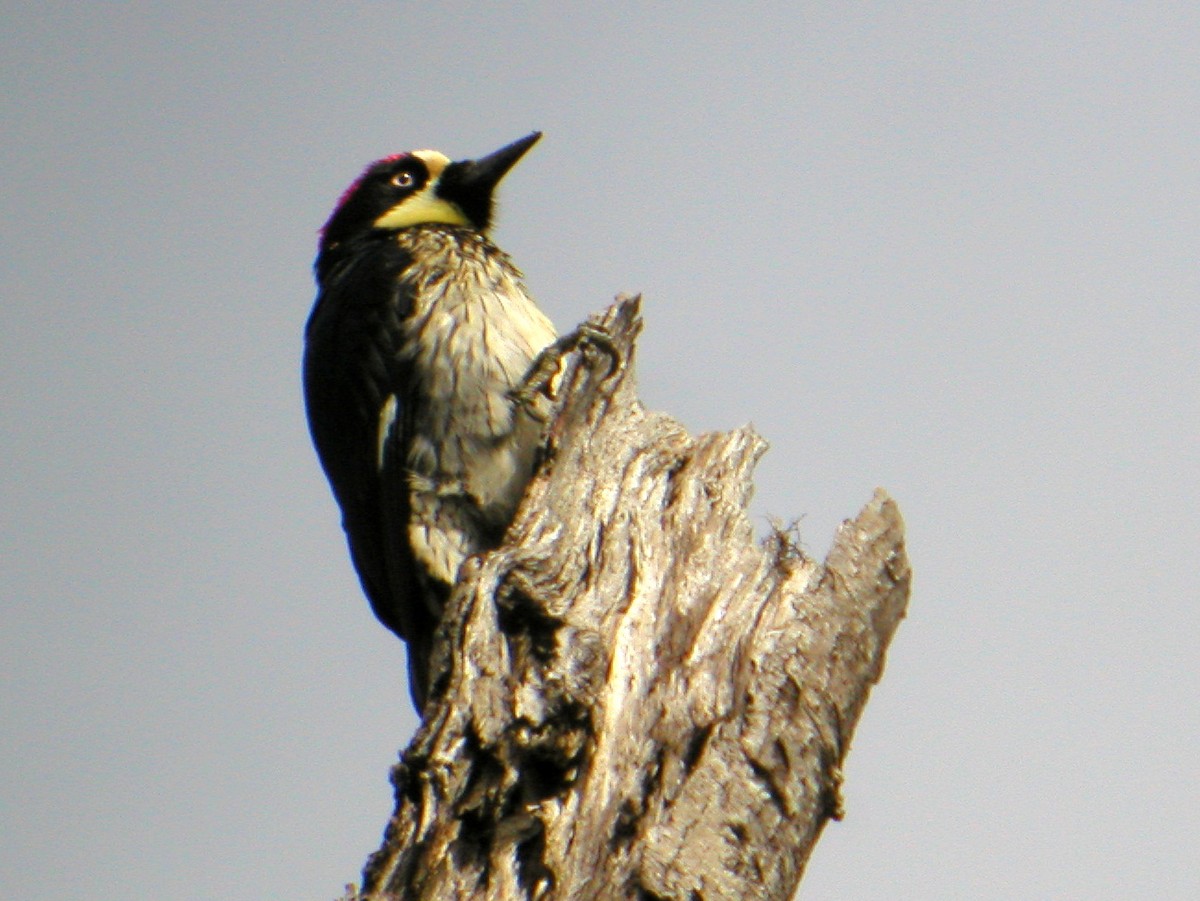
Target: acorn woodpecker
421	333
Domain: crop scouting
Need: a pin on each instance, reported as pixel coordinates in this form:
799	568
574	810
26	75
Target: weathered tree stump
632	697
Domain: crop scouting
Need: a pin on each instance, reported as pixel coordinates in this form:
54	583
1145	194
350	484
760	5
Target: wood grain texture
632	697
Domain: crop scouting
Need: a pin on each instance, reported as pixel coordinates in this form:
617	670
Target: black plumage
420	331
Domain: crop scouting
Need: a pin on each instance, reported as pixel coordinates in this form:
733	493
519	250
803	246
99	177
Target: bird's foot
540	380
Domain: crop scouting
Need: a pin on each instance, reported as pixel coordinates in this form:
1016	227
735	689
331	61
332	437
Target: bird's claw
540	378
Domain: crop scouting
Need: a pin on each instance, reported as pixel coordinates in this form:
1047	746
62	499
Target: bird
418	342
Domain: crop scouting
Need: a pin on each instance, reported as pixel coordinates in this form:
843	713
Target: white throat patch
423	208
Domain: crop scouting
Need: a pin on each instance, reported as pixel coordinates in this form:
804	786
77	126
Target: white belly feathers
471	339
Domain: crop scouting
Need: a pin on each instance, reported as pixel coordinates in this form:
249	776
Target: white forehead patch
434	161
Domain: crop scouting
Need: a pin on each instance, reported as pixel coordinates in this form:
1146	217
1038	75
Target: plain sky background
946	248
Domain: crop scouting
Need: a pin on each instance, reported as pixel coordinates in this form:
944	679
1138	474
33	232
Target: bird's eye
403	180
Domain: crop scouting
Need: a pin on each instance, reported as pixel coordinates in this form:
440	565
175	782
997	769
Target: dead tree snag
633	698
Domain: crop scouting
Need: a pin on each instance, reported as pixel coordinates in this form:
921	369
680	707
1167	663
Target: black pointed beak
485	173
471	183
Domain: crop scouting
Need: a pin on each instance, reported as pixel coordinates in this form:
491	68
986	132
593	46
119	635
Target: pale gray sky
947	248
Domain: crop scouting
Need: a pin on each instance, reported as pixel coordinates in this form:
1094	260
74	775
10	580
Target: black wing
352	376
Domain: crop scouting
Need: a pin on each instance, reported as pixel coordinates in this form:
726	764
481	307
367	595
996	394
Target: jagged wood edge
635	699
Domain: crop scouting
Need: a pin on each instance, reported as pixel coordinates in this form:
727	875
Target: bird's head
420	188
